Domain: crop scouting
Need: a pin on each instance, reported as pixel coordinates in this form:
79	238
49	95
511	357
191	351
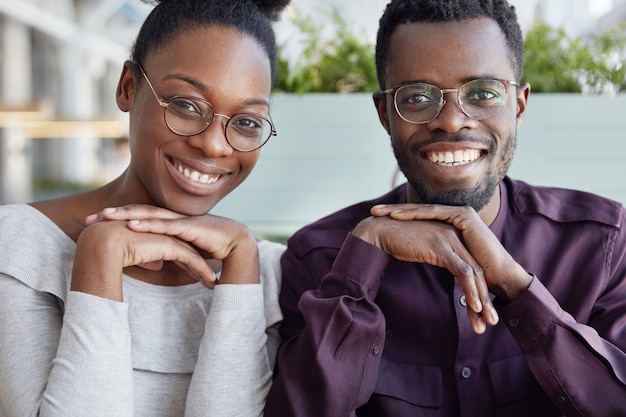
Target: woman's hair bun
271	8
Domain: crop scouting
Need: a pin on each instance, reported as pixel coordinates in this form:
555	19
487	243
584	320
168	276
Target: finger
150	249
94	218
477	322
134	211
474	285
208	283
425	212
215	236
151	266
182	229
489	313
468	273
386	209
467	278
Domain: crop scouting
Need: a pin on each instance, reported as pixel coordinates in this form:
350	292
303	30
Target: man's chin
477	198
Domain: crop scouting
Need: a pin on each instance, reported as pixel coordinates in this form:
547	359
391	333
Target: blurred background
61	132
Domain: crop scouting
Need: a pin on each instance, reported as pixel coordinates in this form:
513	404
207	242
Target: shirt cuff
362	262
531	312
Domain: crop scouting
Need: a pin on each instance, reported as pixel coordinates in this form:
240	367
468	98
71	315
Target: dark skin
454	237
151	222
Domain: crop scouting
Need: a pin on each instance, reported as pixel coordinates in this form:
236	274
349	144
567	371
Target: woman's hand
213	237
104	249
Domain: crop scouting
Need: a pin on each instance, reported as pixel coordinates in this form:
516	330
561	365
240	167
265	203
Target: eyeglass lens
244	131
479	99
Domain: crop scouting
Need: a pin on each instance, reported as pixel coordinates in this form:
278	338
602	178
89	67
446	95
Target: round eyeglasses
479	99
190	116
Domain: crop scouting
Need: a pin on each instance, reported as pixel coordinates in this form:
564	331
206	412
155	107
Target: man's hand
439	244
457	239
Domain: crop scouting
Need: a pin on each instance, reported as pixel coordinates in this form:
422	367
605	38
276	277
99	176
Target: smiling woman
78	310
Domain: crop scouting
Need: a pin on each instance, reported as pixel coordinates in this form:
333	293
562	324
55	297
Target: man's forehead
464	49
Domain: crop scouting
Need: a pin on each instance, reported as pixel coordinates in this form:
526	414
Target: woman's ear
126	87
380	102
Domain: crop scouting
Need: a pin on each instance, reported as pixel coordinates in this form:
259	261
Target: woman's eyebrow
203	87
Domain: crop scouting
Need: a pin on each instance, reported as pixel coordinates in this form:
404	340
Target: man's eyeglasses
479	99
189	116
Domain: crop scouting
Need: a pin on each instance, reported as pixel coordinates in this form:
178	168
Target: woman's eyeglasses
189	116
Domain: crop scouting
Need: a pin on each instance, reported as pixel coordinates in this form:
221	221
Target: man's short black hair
398	12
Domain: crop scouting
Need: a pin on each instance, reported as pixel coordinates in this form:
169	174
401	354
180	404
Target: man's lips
453	158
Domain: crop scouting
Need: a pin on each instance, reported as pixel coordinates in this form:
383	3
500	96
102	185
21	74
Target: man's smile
453	158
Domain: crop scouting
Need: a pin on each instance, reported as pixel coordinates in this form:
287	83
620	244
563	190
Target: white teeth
197	176
456	158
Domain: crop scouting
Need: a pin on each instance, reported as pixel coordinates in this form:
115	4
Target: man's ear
380	101
523	93
126	88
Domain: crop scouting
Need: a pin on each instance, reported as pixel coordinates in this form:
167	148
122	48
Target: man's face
476	153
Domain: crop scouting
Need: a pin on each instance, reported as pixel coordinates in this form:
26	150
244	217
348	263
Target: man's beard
477	197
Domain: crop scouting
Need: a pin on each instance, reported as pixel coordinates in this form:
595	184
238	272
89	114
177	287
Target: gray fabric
164	351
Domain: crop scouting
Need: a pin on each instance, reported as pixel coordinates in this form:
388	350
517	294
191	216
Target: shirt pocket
516	390
418	384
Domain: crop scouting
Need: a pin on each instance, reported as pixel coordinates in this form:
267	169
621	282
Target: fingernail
91	217
379	206
109	210
494	315
482	326
134	222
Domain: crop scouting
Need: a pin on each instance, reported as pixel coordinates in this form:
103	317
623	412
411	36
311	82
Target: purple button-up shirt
368	335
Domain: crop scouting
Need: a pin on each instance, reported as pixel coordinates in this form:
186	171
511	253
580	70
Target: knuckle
478	271
466	271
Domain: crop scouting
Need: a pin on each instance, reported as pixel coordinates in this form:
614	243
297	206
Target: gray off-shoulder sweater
164	351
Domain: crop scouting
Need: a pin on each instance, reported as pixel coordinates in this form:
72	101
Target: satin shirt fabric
367	335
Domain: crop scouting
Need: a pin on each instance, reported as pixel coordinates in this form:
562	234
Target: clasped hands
148	236
454	238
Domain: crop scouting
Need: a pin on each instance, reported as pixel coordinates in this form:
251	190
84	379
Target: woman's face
191	174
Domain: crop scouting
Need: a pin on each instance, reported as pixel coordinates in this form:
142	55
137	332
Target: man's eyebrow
462	81
203	87
408	82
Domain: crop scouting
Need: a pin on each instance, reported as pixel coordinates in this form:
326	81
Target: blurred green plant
341	64
555	62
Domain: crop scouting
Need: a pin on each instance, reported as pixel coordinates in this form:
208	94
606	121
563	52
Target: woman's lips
194	175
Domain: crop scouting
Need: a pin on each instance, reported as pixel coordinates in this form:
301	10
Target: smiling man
463	292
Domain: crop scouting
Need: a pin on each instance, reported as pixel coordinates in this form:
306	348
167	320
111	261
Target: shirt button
561	399
376	349
466	372
463	301
514	322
